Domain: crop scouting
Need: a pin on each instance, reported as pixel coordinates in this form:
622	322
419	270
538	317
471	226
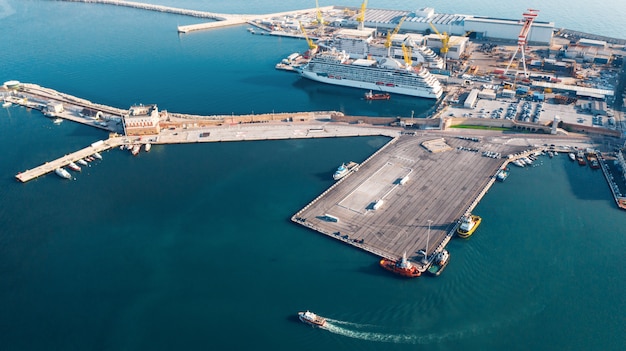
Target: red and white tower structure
522	40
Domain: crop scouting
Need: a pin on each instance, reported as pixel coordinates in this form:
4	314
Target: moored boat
519	163
82	162
6	104
468	225
344	169
312	319
502	174
439	263
401	267
593	160
61	172
74	167
580	157
572	156
337	68
382	96
135	150
147	147
97	155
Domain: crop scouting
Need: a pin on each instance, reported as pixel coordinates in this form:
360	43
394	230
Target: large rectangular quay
385	207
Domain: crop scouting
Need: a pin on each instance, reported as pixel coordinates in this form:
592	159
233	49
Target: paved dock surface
66	159
440	188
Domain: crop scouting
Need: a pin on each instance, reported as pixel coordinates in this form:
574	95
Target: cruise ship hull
422	93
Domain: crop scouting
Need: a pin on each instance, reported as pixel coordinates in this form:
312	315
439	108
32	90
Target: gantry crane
361	16
522	40
390	34
446	43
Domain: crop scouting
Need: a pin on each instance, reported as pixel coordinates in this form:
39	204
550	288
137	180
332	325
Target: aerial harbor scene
358	175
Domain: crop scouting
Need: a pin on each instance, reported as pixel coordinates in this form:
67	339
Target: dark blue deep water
190	246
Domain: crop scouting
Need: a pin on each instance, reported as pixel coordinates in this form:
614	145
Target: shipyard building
480	27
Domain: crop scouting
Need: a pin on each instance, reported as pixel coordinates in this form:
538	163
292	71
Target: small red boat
402	267
371	96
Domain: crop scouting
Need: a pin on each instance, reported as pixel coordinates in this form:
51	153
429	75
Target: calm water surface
190	246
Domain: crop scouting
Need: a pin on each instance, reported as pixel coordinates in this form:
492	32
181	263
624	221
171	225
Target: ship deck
441	187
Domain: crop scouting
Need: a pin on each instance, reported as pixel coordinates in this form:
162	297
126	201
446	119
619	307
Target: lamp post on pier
427	241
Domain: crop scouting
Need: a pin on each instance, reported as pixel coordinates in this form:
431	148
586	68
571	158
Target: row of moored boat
76	166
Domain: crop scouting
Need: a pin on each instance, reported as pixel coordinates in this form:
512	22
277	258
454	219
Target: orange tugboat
402	267
382	96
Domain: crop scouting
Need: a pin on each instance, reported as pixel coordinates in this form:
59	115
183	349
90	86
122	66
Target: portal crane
522	40
361	16
446	43
390	34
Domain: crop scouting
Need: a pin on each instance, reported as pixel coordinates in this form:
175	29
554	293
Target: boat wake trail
359	331
356	325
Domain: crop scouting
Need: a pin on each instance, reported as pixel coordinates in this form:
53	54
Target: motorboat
311	319
61	172
74	167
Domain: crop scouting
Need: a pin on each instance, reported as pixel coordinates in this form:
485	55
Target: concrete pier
221	19
65	160
440	187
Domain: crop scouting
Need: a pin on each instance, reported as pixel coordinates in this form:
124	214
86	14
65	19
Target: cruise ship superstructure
381	74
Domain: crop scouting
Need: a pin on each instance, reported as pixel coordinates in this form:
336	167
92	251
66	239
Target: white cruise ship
386	74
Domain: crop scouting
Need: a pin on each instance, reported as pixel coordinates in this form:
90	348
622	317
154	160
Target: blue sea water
190	246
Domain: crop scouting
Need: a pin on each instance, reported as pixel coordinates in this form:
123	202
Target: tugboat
468	225
502	174
382	96
593	160
311	319
439	263
402	267
580	157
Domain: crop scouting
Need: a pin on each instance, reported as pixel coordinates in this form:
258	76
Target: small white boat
97	155
6	104
82	162
135	150
311	319
519	163
147	147
74	167
61	172
572	156
57	121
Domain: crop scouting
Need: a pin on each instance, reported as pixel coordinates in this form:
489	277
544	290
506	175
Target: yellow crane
407	54
318	14
361	16
390	34
446	43
312	45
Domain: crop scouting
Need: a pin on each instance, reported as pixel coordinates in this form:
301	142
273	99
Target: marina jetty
165	128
